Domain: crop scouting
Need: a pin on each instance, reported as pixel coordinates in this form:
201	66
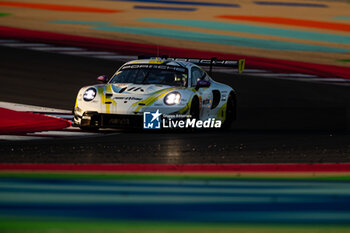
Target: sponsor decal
162	67
157	120
206	61
127	98
206	101
135	89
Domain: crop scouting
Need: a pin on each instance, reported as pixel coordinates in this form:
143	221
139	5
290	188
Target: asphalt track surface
278	120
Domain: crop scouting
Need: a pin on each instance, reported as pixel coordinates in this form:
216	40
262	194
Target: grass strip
90	226
4	14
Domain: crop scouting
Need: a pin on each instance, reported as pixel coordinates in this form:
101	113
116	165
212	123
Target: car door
205	94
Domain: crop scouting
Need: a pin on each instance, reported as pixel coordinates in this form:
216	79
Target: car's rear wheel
230	113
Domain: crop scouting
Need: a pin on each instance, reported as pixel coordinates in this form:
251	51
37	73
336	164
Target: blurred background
282	167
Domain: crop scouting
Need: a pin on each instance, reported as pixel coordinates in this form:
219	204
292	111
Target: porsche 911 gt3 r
175	87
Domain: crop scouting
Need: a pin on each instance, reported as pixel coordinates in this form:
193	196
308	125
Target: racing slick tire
87	124
230	113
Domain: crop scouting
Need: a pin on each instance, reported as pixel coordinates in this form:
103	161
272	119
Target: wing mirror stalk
102	79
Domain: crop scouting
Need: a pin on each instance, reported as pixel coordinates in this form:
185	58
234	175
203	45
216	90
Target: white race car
175	87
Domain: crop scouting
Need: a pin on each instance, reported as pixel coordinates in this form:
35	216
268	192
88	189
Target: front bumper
98	120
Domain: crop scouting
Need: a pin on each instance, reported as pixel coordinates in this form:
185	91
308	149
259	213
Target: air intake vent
122	90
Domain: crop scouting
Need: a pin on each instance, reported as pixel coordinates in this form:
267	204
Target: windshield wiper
144	79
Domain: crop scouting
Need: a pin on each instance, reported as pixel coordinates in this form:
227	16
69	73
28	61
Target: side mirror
102	79
202	83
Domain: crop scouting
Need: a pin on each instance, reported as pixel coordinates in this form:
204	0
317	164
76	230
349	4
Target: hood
137	89
130	98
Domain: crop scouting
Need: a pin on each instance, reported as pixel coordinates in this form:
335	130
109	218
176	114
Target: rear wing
213	62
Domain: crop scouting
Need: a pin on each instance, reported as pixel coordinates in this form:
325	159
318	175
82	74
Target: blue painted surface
164	8
177	2
297	4
90	23
286	202
342	17
222	39
260	30
152	184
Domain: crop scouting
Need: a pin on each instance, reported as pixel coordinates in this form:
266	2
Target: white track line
9	41
335	80
266	73
283	75
60	113
67	117
117	57
299	75
32	108
92	53
255	71
25	44
326	79
19	138
58	49
219	69
57	133
50	135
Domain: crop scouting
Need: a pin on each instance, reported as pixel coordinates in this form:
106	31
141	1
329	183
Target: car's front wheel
194	111
90	123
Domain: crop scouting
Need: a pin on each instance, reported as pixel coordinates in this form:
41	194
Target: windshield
151	74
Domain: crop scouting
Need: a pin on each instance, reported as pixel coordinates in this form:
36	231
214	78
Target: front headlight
172	98
89	94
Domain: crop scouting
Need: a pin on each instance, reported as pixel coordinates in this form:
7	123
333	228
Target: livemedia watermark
157	120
